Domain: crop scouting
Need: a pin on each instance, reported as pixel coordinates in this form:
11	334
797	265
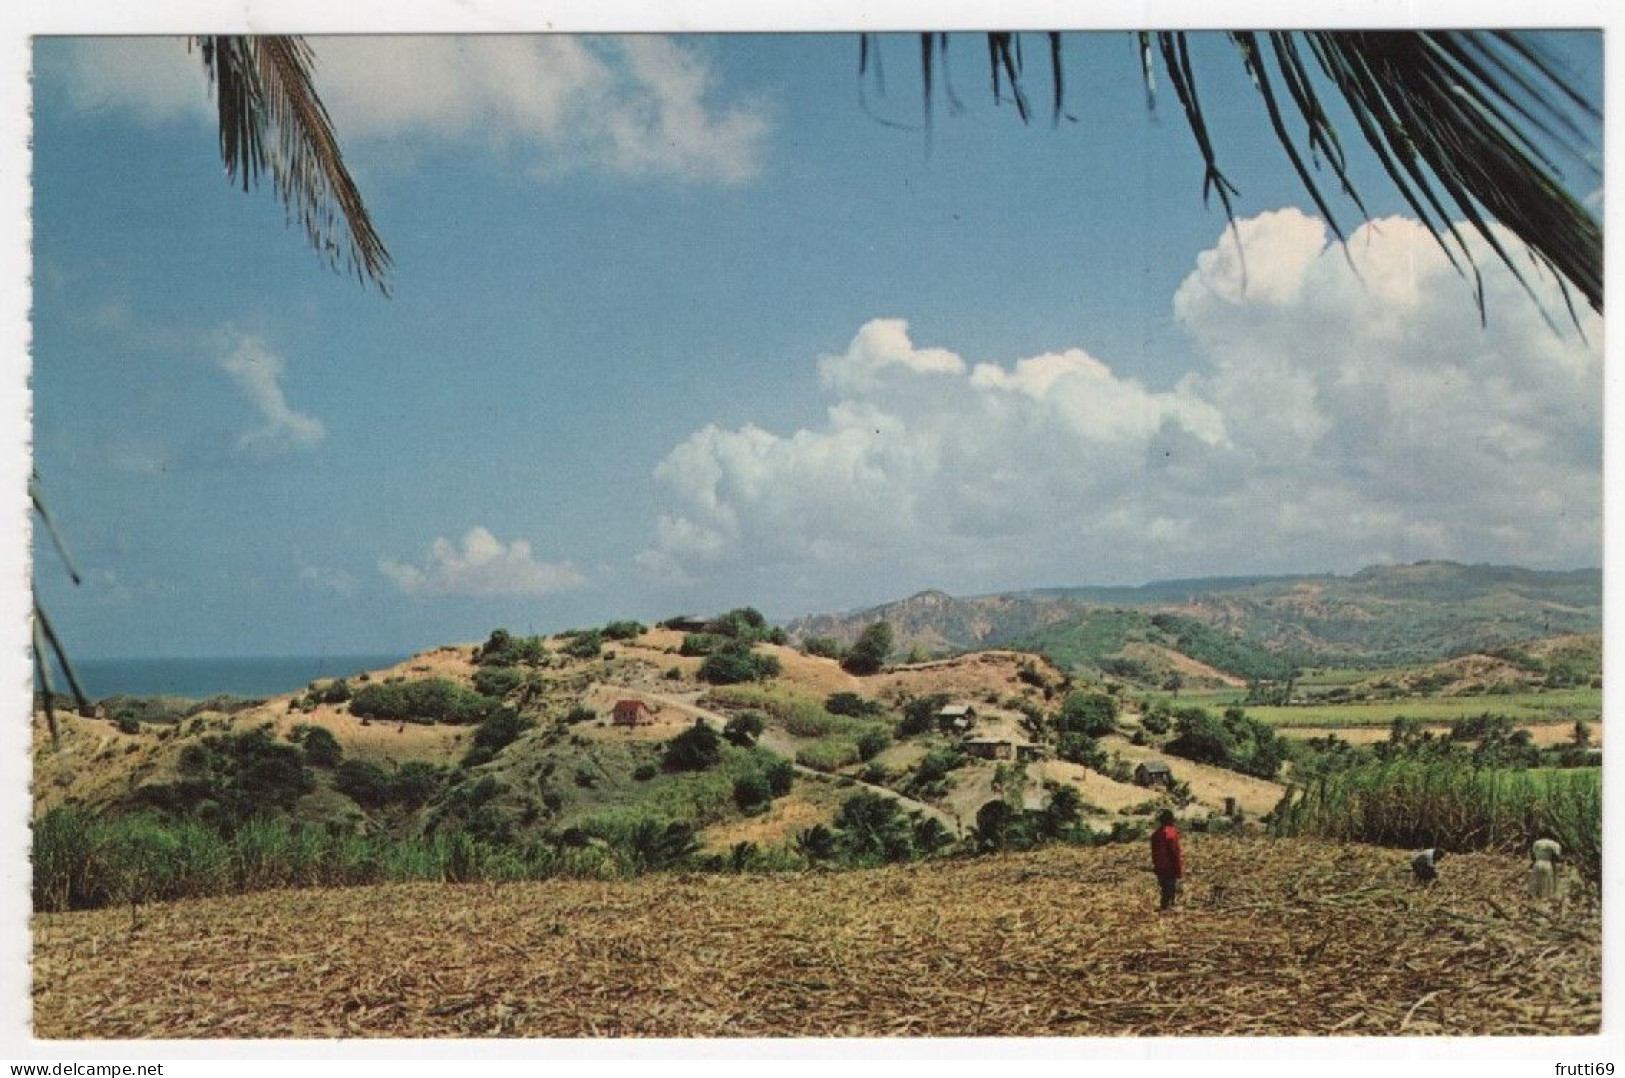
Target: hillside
1378	616
1305	938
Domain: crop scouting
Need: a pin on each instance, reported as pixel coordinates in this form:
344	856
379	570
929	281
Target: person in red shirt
1167	859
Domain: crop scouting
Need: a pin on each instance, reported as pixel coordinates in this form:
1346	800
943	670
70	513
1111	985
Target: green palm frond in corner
272	119
1467	125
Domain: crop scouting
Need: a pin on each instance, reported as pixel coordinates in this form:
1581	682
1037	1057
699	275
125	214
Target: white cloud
639	106
258	374
1347	408
158	78
481	566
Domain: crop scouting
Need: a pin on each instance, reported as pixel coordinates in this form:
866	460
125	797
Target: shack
1153	773
959	718
632	713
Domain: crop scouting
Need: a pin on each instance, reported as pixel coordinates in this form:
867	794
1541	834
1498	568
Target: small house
1153	773
956	717
990	748
1028	752
632	713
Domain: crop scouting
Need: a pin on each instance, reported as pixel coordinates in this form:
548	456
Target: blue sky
677	326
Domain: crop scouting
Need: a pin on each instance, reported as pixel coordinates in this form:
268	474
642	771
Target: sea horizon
202	676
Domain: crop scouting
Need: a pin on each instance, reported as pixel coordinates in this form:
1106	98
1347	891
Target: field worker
1425	865
1545	856
1167	859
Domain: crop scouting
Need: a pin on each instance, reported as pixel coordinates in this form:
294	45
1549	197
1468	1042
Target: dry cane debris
1272	938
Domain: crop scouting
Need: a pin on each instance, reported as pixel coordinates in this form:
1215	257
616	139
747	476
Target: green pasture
1552	705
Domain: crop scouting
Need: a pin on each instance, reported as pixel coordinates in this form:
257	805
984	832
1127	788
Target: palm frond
264	84
42	626
1467	126
50	527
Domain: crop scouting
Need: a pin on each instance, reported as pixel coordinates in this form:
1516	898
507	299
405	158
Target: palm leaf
1466	125
270	118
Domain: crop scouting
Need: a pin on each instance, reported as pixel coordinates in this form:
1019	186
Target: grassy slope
1302	938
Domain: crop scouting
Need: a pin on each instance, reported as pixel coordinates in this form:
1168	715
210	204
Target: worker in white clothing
1425	865
1545	857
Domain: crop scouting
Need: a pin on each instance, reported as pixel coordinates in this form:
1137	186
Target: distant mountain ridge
1382	614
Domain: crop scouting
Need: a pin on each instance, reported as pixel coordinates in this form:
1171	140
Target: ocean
204	677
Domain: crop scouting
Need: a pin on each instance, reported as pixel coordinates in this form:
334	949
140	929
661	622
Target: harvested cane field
1273	938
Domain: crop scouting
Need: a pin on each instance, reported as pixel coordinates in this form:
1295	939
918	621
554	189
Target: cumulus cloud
641	106
1343	408
258	374
480	566
157	78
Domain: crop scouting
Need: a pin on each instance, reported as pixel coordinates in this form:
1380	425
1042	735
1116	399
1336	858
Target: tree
743	729
735	662
322	749
1091	713
1061	812
868	655
871	825
695	749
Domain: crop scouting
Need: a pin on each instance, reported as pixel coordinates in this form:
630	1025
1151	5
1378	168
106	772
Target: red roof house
632	713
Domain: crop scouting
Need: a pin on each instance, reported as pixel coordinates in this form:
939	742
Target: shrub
504	649
752	792
497	681
695	749
336	691
853	705
424	700
499	730
587	645
828	753
735	663
868	655
1155	721
230	778
649	843
322	749
744	624
364	782
1235	741
696	645
920	714
817	843
743	729
872	742
872	826
412	785
998	826
128	724
825	647
415	783
622	630
579	714
1079	748
936	764
781	775
1091	713
645	772
1061	813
